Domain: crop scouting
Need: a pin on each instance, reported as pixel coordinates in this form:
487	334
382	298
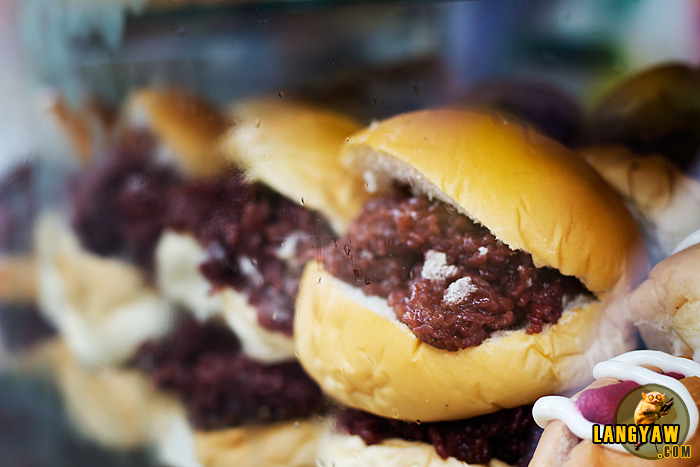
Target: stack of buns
534	196
521	264
108	306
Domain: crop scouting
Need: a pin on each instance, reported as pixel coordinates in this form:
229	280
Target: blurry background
371	59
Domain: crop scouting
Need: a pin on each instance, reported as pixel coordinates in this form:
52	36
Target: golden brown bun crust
111	406
667	201
550	453
666	306
284	444
88	127
368	362
186	124
531	192
294	148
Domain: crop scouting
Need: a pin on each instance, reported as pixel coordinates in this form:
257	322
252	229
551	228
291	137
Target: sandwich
95	262
569	423
238	264
664	201
213	256
654	111
480	277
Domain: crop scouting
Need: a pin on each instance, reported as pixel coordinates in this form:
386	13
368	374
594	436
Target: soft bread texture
529	191
558	447
17	279
666	306
186	125
667	202
101	306
120	408
284	444
294	149
347	342
341	450
114	407
178	256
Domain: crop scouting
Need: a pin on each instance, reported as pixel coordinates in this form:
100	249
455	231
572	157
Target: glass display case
168	167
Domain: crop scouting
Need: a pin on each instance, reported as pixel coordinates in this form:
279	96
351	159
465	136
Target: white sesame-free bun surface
102	307
294	148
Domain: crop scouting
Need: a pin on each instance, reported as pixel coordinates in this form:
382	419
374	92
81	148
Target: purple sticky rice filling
122	207
508	435
220	386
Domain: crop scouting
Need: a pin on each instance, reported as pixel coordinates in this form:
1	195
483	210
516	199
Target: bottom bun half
114	407
339	450
178	257
283	444
350	345
119	408
103	307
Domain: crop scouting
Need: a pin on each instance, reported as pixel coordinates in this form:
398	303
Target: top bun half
529	191
294	148
186	124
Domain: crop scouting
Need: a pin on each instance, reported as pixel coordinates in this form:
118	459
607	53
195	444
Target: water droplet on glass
367	281
356	272
395	412
257	123
335	242
346	249
281	94
297	424
301	201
